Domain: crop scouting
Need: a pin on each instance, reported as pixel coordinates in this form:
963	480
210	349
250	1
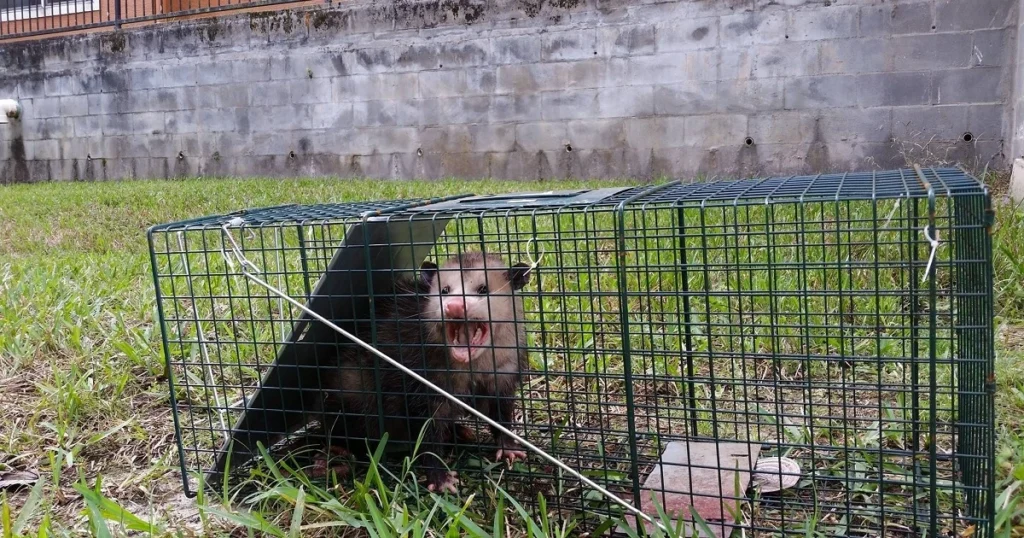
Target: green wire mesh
801	315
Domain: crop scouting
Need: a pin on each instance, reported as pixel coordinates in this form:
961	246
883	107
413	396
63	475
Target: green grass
84	395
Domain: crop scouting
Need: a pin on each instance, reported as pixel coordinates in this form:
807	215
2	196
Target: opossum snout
455	309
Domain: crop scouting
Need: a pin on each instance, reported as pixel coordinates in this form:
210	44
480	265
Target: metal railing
28	18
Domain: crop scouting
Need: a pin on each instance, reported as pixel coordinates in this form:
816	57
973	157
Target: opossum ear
428	271
519	275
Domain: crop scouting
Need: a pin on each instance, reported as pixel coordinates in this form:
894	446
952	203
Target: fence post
117	14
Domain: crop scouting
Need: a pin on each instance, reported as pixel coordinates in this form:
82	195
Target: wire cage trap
778	355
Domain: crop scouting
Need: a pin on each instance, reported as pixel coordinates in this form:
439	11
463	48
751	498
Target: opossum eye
446	290
482	290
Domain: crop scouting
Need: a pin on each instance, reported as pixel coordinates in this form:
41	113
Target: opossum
460	326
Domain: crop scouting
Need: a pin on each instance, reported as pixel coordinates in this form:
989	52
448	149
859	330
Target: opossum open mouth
465	339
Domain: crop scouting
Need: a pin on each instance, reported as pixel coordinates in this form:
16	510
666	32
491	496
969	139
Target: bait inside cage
676	335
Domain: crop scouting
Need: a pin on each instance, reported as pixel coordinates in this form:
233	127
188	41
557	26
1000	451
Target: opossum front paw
322	469
441	481
510	451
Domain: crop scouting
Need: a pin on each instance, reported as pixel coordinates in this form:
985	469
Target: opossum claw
444	481
510	455
321	469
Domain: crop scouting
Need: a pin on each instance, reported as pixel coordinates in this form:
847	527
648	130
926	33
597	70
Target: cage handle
934	242
248	269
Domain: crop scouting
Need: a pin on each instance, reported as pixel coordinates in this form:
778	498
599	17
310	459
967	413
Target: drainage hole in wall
419	152
568	147
181	155
967	137
748	141
291	154
88	157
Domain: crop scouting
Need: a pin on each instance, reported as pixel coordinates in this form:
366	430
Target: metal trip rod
244	262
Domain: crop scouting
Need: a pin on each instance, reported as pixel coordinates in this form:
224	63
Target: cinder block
991	47
373	114
59	86
274	93
216	72
976	85
28	87
206	97
523	79
829	91
45	107
566	105
931	51
753	28
596	134
418	57
787	60
575	45
147	123
173	76
716	130
646	133
736	64
481	81
633	40
515	49
537	136
954	15
696	97
395	86
86	126
514	108
250	70
687	34
42	150
232	95
492	138
452	111
116	125
435	84
843	125
332	115
591	73
464	54
898	18
167	100
393	140
184	121
854	56
628	101
309	91
74	105
674	67
985	122
102	103
279	118
835	22
220	119
929	122
445	139
751	96
295	67
781	127
893	89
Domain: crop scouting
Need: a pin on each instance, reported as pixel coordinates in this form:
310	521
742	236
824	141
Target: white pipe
9	110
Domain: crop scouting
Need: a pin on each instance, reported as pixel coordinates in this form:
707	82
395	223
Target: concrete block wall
523	89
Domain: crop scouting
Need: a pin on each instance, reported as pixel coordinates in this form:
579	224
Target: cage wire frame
843	321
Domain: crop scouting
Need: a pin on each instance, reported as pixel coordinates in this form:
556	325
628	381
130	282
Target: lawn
81	369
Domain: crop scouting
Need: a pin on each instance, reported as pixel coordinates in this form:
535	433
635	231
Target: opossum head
472	296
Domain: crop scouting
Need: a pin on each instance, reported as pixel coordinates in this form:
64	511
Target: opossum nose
455	309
